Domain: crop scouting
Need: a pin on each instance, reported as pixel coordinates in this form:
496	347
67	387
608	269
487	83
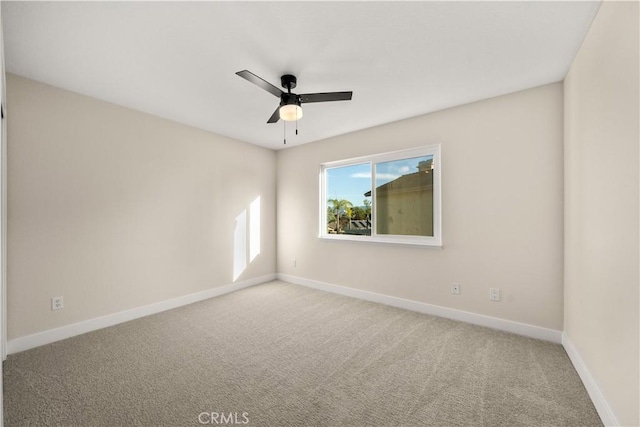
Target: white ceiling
401	59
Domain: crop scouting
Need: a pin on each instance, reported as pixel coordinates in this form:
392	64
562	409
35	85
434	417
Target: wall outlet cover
56	303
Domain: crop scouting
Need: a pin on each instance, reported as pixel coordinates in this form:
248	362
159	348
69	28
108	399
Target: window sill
393	240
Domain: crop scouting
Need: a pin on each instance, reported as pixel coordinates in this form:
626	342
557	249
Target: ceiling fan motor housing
290	99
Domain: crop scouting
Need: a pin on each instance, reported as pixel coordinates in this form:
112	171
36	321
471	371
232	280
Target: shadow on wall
244	254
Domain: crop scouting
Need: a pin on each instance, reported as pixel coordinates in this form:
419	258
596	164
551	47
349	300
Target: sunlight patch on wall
246	246
254	229
240	245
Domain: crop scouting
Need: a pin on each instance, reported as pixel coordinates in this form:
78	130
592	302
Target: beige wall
115	209
502	210
601	206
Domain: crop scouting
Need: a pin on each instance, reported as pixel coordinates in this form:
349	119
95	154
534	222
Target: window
392	197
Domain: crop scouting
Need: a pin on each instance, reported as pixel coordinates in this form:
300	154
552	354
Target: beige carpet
285	355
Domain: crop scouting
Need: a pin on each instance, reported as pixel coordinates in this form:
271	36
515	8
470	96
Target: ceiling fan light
291	112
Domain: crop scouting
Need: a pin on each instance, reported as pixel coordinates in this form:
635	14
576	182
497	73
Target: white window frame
435	240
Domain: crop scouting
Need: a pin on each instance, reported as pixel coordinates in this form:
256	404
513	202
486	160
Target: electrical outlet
494	294
294	263
455	288
56	303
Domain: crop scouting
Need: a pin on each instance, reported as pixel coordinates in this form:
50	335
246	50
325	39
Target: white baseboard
602	406
436	310
41	338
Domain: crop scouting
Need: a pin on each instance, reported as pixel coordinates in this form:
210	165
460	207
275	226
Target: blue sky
351	182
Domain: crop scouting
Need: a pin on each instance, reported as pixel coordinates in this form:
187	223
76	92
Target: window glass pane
404	197
349	199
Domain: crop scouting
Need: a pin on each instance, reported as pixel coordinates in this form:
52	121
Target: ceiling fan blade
258	81
275	116
324	97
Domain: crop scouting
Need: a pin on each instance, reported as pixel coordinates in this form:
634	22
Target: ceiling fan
290	103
